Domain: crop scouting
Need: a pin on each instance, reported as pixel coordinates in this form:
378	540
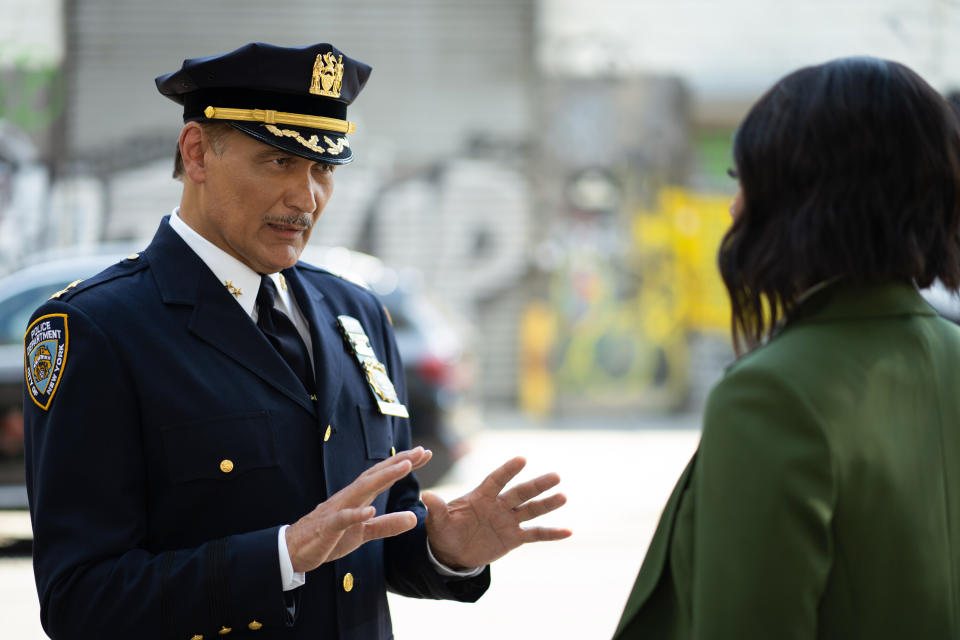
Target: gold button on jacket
255	626
226	466
348	582
225	630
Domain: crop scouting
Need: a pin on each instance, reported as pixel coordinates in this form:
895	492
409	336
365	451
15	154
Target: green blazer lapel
656	557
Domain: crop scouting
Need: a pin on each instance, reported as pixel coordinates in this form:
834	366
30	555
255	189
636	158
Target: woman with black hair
824	499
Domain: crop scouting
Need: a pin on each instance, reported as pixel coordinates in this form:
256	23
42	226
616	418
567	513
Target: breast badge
45	352
384	393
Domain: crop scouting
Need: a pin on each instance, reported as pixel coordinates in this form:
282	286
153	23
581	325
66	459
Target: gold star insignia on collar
283	282
236	291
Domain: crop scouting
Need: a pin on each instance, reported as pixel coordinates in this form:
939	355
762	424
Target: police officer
217	437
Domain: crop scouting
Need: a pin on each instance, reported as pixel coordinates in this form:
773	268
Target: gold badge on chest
376	374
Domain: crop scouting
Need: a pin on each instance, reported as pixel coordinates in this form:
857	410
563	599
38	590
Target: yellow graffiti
617	327
686	229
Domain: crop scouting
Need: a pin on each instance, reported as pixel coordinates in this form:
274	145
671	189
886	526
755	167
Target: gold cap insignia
327	75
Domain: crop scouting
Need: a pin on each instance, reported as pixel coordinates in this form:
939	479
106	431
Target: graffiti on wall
31	90
614	330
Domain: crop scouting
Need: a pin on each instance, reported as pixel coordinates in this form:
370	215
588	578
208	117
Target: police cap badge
294	99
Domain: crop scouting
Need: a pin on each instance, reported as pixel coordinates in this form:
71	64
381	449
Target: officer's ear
193	147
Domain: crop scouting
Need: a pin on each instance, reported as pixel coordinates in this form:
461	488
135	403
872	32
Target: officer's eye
281	161
324	167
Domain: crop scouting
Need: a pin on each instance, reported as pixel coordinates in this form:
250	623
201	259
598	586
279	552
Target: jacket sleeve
87	484
409	571
765	493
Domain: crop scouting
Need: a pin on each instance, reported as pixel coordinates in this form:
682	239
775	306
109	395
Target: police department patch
45	352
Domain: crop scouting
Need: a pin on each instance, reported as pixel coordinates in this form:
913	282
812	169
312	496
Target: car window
16	310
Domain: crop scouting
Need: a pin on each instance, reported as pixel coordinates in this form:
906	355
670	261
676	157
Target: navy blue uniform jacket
139	533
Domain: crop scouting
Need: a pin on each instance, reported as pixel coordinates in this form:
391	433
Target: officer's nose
302	192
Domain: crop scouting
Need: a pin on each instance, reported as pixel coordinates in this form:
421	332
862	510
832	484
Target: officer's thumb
436	507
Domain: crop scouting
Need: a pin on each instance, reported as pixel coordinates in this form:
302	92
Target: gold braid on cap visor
280	117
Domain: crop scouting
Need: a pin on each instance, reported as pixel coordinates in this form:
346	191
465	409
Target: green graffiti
31	94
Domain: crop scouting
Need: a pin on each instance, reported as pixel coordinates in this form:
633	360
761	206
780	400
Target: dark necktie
282	333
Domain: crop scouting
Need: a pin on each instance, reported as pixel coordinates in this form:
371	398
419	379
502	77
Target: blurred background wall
553	169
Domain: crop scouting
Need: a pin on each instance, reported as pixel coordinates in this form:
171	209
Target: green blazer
824	499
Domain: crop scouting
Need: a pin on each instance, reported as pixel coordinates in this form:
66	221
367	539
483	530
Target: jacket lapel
656	558
328	347
217	319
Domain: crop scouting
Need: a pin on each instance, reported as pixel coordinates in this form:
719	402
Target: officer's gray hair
216	132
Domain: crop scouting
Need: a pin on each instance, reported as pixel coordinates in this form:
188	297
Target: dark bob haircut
849	169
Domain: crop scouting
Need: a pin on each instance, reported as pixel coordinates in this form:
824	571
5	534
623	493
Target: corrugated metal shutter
443	69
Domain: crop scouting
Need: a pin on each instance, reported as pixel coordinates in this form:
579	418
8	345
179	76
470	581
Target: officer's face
260	203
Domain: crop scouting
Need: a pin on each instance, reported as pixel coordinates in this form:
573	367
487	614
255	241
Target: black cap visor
313	144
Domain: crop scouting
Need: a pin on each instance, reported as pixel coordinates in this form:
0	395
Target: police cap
294	99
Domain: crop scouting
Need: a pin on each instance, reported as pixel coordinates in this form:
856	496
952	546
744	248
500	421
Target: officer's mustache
304	220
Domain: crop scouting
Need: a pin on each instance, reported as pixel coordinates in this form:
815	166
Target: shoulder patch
45	353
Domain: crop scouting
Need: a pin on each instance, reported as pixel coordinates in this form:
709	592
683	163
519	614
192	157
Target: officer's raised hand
483	525
346	520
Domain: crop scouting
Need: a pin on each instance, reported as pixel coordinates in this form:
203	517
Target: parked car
431	343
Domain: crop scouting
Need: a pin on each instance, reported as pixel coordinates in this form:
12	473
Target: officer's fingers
327	523
384	526
424	459
387	525
412	455
369	485
494	483
418	456
380	477
537	508
545	534
346	518
436	508
311	539
529	489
